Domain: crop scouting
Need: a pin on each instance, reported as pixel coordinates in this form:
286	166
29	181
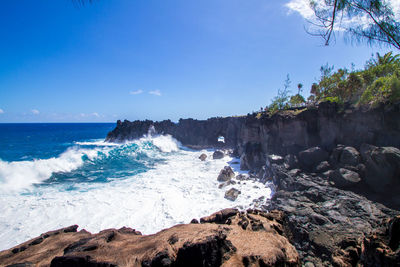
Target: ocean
53	175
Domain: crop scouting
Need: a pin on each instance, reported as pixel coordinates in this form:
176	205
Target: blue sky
155	59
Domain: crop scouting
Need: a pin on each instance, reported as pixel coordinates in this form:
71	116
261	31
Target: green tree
280	101
370	21
299	88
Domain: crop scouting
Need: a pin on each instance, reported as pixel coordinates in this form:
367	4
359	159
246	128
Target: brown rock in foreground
226	238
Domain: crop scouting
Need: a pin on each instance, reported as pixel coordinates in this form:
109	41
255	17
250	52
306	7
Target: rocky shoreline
336	173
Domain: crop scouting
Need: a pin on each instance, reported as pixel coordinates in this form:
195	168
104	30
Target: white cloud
1	111
155	92
300	6
95	114
35	111
137	92
303	8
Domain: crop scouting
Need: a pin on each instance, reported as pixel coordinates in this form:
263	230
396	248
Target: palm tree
299	86
388	58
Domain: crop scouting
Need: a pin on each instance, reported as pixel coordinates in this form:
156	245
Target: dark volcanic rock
203	157
218	154
344	178
226	174
311	157
217	241
382	167
291	161
349	156
382	247
322	167
326	224
232	194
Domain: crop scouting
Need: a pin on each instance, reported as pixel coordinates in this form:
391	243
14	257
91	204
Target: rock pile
330	220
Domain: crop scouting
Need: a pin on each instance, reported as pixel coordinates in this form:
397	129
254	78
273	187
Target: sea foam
175	189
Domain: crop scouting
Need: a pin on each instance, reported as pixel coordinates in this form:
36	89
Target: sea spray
148	184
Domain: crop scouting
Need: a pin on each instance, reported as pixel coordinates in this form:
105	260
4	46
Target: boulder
382	167
344	178
218	154
350	156
225	174
203	157
311	157
335	155
232	194
291	161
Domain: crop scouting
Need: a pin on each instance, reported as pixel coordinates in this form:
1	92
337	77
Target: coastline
325	164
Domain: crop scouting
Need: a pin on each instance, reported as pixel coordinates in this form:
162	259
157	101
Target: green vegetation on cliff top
378	82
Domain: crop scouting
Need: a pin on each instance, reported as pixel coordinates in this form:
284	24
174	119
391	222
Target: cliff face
332	170
190	132
287	132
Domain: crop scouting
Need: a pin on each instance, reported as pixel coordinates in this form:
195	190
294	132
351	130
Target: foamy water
174	187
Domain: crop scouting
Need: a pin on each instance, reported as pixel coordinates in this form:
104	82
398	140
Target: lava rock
225	174
382	167
218	154
344	178
232	194
203	157
311	157
291	161
349	156
322	167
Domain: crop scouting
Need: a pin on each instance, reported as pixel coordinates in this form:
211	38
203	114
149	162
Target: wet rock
218	154
344	178
203	157
311	157
225	174
232	194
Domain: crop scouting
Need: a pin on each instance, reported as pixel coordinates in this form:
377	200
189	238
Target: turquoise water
75	153
56	175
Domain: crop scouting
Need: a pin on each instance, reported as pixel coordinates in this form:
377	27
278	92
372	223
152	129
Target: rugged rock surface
337	197
329	225
289	132
232	194
225	174
382	248
226	238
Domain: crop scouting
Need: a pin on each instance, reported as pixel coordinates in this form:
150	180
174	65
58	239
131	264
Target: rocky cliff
336	172
336	176
253	137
